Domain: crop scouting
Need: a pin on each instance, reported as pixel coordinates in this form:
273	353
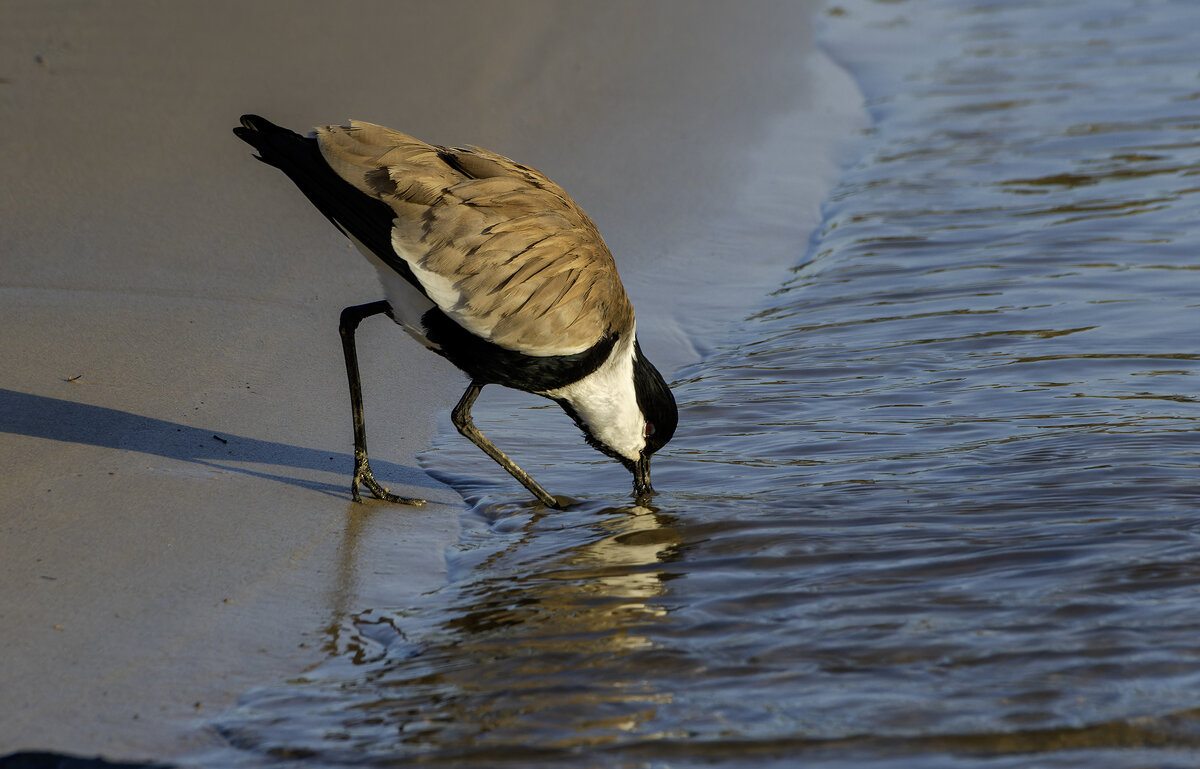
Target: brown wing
497	246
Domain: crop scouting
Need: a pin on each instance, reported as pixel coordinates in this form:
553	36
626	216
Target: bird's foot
364	476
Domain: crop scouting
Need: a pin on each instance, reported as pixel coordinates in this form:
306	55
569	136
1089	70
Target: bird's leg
461	416
351	317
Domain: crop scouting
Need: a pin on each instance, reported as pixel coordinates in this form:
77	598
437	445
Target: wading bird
494	267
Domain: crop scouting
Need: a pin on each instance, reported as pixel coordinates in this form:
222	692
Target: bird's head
626	411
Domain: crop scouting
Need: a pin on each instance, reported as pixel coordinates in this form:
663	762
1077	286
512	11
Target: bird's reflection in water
546	642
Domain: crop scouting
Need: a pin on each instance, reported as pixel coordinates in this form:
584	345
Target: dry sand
175	442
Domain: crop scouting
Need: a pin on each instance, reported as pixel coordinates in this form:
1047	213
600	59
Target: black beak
641	476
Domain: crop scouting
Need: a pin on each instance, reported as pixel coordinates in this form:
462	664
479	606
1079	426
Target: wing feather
500	248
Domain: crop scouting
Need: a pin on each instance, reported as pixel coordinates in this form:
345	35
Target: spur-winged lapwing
491	265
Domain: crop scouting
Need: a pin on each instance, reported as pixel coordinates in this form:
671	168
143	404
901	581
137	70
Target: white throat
605	400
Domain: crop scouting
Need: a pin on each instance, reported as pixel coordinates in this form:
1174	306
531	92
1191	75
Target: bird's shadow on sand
56	419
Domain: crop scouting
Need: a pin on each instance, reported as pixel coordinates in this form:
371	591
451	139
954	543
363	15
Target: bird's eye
649	429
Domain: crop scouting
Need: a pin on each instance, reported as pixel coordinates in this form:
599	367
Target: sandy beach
175	446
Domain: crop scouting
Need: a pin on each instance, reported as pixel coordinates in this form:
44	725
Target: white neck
605	400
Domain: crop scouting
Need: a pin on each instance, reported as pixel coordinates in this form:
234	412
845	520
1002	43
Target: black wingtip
256	123
253	128
266	137
248	128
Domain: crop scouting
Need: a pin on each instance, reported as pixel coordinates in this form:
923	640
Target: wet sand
175	524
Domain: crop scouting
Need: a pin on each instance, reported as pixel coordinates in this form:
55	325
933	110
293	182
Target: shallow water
934	503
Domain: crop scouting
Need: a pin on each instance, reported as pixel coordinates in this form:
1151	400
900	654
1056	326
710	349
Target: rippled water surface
934	504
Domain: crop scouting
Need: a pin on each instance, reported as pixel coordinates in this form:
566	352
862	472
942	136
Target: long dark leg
461	416
351	317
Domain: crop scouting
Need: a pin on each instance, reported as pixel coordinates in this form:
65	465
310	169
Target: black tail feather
266	137
356	214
